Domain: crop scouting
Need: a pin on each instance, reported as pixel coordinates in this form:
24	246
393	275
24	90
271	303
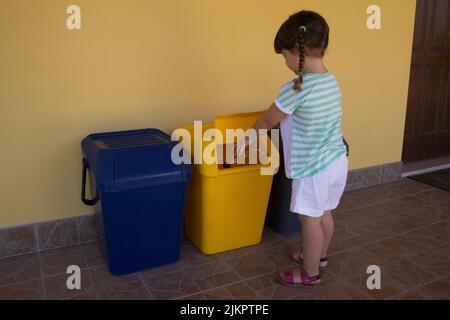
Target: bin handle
88	202
347	147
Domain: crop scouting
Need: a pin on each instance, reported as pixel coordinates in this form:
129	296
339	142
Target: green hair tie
303	28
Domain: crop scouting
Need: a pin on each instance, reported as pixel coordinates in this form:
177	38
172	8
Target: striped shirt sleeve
288	100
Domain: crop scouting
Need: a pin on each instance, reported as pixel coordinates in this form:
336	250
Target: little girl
309	112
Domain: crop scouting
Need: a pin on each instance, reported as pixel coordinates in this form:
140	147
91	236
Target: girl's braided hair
306	31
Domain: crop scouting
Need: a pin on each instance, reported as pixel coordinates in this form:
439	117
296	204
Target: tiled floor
403	227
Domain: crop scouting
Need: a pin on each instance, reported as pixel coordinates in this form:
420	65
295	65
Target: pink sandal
298	278
296	256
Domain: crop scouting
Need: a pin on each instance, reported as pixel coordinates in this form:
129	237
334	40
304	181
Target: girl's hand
240	148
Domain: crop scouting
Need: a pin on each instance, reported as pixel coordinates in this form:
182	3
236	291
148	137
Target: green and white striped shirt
313	140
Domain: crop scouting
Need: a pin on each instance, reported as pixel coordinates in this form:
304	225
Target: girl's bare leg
327	223
313	243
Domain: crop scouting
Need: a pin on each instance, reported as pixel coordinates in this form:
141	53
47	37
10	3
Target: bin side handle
347	147
88	202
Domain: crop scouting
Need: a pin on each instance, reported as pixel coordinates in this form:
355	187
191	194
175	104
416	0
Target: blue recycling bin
138	194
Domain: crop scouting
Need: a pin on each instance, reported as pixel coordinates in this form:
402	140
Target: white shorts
312	196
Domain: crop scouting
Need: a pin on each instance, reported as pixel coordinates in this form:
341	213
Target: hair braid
301	61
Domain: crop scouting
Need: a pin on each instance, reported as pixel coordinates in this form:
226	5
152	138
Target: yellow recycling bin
226	207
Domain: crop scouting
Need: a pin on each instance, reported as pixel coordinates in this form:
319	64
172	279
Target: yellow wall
162	63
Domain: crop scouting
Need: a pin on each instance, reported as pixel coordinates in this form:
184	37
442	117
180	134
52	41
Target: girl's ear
296	50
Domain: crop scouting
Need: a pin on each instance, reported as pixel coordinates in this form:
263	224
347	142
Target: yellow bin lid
236	121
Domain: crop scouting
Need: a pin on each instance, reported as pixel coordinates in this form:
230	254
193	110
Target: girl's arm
270	118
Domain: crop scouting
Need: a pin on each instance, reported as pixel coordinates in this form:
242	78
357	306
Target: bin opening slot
223	151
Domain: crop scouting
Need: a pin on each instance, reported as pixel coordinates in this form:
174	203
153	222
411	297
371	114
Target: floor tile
397	248
241	291
271	239
20	268
160	271
342	290
263	282
92	254
363	234
56	286
127	291
429	237
409	274
402	204
212	275
361	215
170	286
28	290
56	261
409	186
429	214
397	189
191	256
215	294
280	256
251	265
351	263
435	290
354	199
442	229
102	278
89	295
395	278
434	196
435	261
239	252
398	225
238	291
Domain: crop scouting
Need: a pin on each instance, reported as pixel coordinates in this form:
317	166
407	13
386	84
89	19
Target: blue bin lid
132	159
